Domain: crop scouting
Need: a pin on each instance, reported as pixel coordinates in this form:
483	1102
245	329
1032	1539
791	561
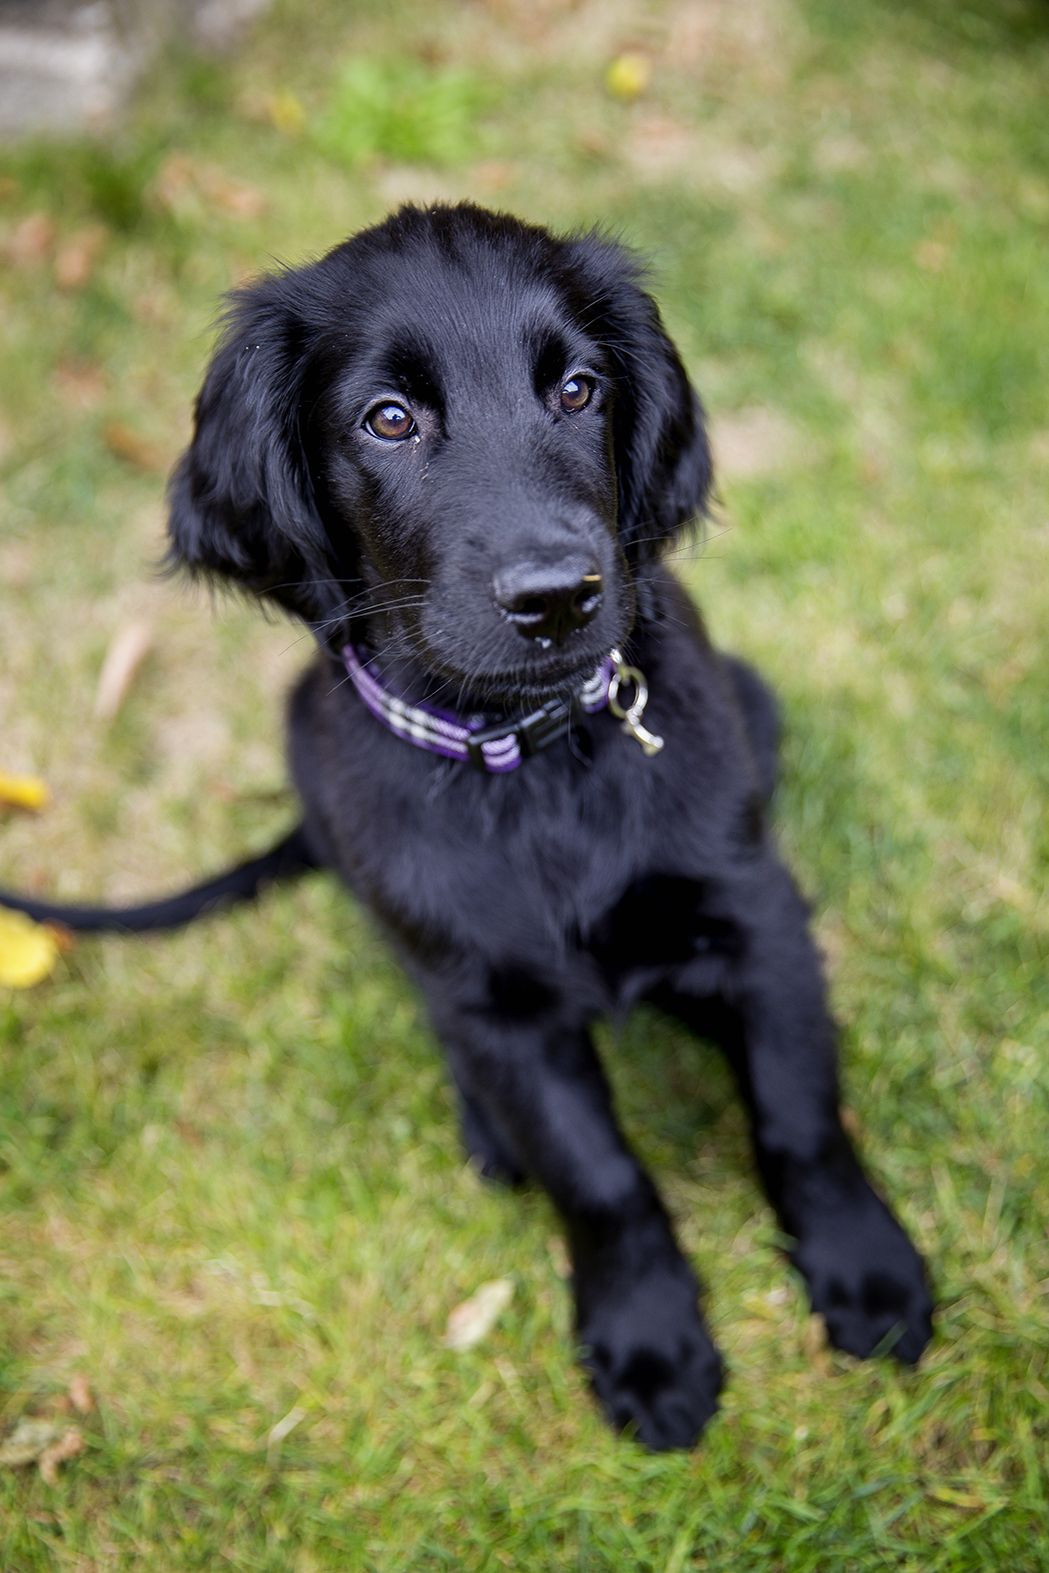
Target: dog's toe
652	1364
665	1403
869	1285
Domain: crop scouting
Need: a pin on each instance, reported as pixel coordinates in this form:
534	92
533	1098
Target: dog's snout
549	601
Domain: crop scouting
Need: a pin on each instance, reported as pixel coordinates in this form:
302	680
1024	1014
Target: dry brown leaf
593	143
26	1441
127	444
660	145
276	1434
493	174
76	257
67	1446
46	1443
81	384
173	181
814	1336
183	185
233	196
474	1318
128	649
65	939
814	1342
80	1394
557	1250
30	241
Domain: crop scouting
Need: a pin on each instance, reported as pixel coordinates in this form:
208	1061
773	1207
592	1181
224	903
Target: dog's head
458	419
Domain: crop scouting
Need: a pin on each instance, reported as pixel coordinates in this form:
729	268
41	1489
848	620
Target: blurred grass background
229	1173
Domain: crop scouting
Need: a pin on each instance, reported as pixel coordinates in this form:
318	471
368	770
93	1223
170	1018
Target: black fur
526	906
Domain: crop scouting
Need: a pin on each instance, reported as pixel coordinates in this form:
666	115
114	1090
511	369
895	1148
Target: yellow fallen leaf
286	113
628	76
28	951
475	1318
23	792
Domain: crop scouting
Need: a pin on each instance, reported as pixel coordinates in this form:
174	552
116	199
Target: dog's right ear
662	456
241	498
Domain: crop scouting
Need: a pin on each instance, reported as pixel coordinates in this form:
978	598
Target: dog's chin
535	679
525	690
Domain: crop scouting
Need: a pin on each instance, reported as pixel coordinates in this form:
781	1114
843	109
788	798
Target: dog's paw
652	1364
868	1282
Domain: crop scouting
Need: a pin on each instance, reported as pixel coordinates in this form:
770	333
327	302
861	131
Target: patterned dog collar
496	749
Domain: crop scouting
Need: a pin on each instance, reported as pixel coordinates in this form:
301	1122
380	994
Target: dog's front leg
543	1094
863	1274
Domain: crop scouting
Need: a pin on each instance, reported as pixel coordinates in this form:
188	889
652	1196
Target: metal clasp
631	714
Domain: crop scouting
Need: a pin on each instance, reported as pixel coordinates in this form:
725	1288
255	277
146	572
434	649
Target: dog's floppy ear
241	499
662	455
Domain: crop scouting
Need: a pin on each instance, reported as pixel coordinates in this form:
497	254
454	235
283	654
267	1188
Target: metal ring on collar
630	675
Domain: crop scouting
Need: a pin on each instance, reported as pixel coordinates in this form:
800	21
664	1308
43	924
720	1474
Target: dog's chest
598	866
557	860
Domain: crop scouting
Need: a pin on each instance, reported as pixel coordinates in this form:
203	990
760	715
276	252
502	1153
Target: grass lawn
232	1196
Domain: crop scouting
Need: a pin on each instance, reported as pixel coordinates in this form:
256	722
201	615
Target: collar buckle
502	747
490	734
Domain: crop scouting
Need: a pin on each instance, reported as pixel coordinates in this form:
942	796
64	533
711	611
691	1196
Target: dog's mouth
517	687
509	678
536	685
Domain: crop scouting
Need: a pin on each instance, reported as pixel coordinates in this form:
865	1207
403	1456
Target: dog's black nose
549	601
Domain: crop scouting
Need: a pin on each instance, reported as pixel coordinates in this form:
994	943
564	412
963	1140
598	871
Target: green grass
229	1174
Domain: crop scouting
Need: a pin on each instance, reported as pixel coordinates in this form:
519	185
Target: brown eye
576	394
392	422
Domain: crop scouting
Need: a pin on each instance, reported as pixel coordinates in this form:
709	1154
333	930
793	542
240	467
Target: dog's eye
392	422
576	394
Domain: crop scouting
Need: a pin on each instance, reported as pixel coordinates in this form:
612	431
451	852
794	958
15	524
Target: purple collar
500	748
496	749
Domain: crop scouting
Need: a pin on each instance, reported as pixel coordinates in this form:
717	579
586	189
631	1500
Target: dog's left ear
241	498
662	455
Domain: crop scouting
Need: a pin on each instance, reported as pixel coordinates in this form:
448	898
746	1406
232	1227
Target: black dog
457	447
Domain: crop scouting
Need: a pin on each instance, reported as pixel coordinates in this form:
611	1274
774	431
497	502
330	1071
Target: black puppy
456	447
